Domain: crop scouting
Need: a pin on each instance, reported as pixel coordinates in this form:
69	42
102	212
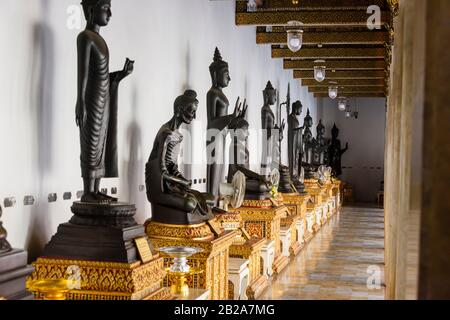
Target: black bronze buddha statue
173	201
335	152
96	109
218	121
308	146
295	145
257	187
268	130
320	146
4	245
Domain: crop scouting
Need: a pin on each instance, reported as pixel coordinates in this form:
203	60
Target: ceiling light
294	36
333	90
319	70
342	103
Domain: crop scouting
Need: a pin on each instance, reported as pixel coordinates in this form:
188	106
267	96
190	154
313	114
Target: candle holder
50	289
180	268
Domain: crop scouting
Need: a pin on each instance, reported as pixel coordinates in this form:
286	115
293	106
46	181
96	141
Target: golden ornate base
297	205
212	261
262	219
106	280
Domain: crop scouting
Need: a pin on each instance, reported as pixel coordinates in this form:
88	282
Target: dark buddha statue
285	184
335	152
218	121
173	201
257	187
320	146
4	245
308	146
96	109
295	145
268	129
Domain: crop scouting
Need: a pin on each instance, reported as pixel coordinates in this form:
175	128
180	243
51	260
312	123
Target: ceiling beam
345	82
342	75
362	64
381	89
330	38
329	18
354	95
331	53
241	5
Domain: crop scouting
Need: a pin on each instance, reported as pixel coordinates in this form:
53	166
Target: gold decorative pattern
354	94
342	75
312	83
380	89
213	260
328	38
105	280
334	64
331	53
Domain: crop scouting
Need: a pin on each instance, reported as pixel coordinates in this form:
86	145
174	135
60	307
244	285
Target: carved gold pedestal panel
246	247
212	262
297	205
105	280
262	219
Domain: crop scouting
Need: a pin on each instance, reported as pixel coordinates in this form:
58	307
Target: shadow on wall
42	86
135	166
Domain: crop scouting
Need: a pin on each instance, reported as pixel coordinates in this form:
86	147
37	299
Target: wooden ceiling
336	31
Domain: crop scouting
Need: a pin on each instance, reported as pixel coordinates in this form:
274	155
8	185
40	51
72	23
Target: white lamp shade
294	40
333	92
319	73
342	104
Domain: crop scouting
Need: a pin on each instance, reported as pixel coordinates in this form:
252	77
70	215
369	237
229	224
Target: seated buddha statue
173	201
257	187
4	245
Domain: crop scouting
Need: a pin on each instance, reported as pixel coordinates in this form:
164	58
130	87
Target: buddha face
223	78
298	109
271	96
189	112
308	122
102	14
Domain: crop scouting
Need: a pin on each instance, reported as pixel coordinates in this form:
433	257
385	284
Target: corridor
344	257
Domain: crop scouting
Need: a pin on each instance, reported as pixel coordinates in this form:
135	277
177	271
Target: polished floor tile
344	261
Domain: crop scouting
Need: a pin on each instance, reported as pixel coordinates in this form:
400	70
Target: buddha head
97	11
320	129
220	74
334	132
308	120
270	94
185	106
297	108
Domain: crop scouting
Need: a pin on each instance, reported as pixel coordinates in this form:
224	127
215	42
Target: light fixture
319	70
348	114
295	2
333	90
252	6
342	104
294	36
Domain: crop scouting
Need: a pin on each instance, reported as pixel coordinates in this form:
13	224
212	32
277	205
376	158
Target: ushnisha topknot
94	2
188	97
297	105
269	86
218	62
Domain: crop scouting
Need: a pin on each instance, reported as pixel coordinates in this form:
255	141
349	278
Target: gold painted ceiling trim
342	75
362	64
345	82
331	53
335	38
316	18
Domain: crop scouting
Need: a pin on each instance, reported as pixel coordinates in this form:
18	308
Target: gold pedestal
212	261
105	280
262	219
313	188
297	205
246	247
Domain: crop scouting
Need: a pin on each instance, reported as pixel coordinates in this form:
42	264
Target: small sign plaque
144	249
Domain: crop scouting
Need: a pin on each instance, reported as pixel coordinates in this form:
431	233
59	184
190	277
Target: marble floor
344	261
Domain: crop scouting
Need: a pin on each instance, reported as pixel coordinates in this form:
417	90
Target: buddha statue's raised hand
126	71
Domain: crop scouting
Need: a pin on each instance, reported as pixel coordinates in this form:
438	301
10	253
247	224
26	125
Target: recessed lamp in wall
295	2
294	36
319	45
333	90
319	70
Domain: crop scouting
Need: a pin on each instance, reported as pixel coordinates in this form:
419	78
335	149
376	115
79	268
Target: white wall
364	161
172	42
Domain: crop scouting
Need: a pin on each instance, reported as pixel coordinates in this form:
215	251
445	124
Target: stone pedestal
97	247
262	219
213	261
285	237
239	275
13	273
310	222
268	257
